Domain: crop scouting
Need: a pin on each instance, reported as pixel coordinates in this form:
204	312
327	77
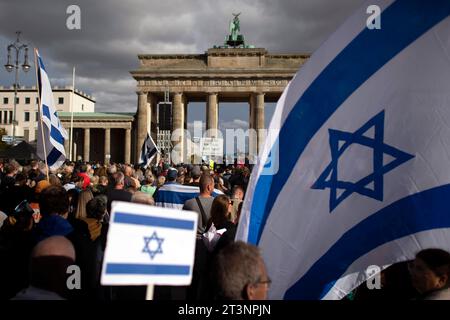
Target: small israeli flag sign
149	245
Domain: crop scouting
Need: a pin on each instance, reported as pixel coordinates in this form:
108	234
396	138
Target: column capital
141	93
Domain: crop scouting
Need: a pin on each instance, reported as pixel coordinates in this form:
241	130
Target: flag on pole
148	151
363	155
51	136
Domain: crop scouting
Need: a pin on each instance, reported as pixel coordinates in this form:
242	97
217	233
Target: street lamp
17	46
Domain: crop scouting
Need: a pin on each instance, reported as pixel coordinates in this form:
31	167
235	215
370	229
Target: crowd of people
51	220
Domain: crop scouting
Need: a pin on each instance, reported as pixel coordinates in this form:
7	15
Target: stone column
259	120
252	135
127	145
107	145
178	123
87	143
142	121
66	147
185	103
212	112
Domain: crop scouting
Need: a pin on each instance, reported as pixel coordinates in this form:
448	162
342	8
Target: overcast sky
113	32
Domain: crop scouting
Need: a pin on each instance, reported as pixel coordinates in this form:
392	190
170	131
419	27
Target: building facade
27	115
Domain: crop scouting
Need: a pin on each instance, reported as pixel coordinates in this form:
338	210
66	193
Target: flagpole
71	114
40	112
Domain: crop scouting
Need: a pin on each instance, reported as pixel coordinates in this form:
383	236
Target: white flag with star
363	155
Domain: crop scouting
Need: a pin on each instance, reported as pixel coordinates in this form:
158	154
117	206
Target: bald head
54	246
206	184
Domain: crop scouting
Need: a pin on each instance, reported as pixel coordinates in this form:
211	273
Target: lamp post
17	46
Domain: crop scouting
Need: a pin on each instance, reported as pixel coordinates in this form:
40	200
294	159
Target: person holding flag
362	155
51	133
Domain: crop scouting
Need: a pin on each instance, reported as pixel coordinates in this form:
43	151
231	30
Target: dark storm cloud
114	32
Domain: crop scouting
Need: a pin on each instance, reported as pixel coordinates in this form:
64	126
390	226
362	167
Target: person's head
128	171
54	200
96	208
78	181
10	169
237	193
206	184
172	175
112	169
187	179
143	198
50	259
34	164
430	270
68	168
119	180
161	181
149	177
83	199
103	181
41	185
94	180
196	173
134	185
83	168
240	274
220	210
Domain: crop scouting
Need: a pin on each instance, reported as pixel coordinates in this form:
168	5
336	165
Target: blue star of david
147	249
379	170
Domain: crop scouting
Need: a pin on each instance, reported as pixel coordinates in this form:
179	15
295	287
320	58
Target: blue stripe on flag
423	211
46	111
403	22
153	221
41	63
53	156
175	197
169	196
147	269
56	135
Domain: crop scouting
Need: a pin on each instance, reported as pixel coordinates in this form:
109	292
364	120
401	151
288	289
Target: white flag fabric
52	132
148	151
363	155
174	195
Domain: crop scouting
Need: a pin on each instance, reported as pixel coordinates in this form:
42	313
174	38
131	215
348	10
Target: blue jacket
53	225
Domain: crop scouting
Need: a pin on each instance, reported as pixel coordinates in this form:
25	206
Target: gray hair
112	169
235	267
143	198
119	178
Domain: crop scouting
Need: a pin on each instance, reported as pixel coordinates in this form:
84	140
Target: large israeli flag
52	134
363	152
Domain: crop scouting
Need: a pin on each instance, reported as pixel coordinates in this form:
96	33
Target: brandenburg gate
221	74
